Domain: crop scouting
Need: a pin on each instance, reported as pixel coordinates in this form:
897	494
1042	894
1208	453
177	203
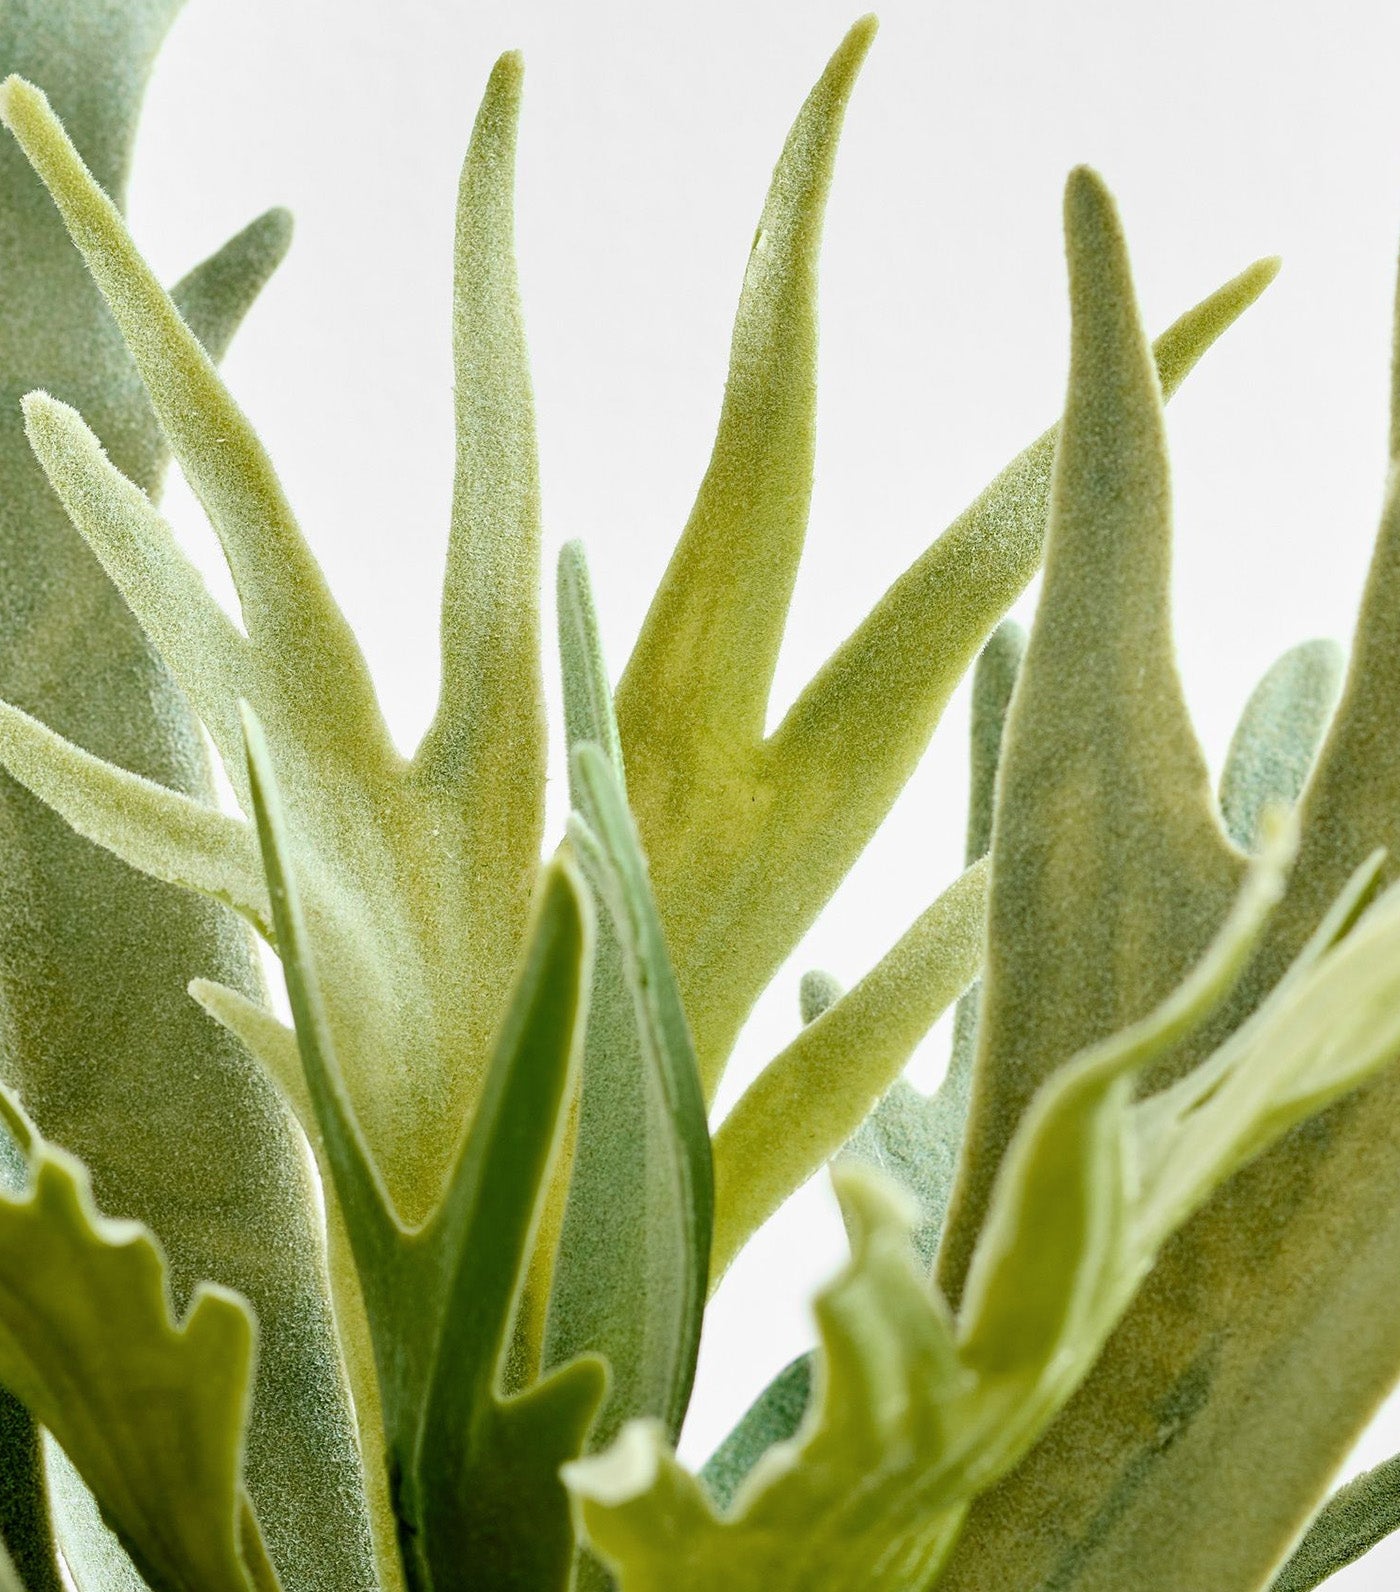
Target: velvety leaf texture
179	1130
1204	1441
151	1411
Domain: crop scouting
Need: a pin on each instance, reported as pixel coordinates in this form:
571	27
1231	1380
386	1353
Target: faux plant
1090	1279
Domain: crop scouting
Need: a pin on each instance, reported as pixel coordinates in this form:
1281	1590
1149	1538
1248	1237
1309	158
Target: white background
1227	129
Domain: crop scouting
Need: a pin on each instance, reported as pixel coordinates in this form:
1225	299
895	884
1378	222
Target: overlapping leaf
176	1125
1292	1266
150	1410
1276	741
474	1472
917	1413
748	836
418	875
633	1260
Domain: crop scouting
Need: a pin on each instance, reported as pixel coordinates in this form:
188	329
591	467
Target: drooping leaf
150	1410
1277	740
473	1472
748	837
1352	1521
632	1270
114	1060
814	1095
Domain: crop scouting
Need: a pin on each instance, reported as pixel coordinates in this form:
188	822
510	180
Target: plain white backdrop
1228	130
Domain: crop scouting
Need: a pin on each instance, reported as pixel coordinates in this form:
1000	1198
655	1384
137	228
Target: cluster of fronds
1094	1281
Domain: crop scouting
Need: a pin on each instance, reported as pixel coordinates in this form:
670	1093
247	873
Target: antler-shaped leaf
1231	1382
1103	793
632	1266
1354	1519
115	1061
748	836
417	875
151	1411
910	1137
815	1094
916	1415
474	1473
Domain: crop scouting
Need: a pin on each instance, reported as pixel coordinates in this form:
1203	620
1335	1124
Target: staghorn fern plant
1090	1279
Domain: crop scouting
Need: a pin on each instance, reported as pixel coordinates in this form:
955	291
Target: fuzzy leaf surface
1276	742
748	835
113	1059
392	850
1205	1440
631	1274
473	1472
918	1413
150	1410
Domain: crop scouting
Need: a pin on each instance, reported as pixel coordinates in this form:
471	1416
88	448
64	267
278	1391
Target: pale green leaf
93	1557
916	1415
644	1234
150	1410
283	597
1276	742
214	297
489	731
168	835
697	684
269	1039
1352	1521
1188	1408
912	1137
175	1122
417	885
772	1418
813	1095
474	1473
204	650
748	837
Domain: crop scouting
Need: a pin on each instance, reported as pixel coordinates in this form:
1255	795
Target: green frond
699	677
285	604
632	1263
1276	741
203	648
489	729
166	834
814	1095
215	296
1354	1519
267	1037
1103	799
150	1410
